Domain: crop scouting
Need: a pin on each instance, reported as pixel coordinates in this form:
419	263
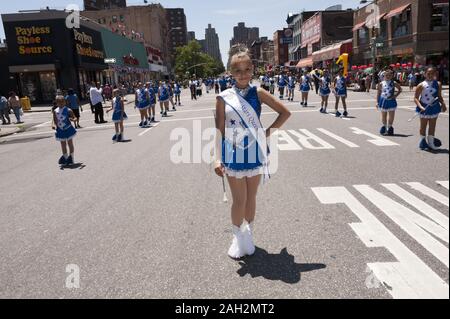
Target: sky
268	15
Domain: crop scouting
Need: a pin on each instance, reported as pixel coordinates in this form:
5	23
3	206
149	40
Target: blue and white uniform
387	102
169	87
282	82
240	151
177	90
118	115
64	129
324	89
429	100
341	87
142	102
163	93
305	83
291	83
152	95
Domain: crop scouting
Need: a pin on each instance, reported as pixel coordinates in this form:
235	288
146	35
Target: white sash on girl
249	117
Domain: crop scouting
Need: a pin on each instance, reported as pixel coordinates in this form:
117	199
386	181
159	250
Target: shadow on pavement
440	151
280	266
399	135
74	166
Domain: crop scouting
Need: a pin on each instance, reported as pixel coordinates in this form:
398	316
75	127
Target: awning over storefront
397	11
31	68
330	52
294	49
157	68
358	26
303	63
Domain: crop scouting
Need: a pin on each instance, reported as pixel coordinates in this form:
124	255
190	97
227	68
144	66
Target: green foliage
190	61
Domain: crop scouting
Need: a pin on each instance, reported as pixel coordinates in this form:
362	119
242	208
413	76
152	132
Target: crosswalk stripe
376	140
443	183
426	209
338	138
147	130
429	192
412	223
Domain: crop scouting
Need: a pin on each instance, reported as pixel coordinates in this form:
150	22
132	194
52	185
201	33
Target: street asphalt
137	225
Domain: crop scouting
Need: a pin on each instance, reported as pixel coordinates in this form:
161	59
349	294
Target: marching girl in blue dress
291	87
430	104
170	87
387	102
65	132
152	101
241	152
282	82
177	92
118	116
340	91
163	97
305	87
324	90
142	103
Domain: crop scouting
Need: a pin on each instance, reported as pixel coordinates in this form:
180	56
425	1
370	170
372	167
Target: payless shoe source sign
88	45
32	40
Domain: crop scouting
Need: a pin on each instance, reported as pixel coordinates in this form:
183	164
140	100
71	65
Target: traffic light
344	59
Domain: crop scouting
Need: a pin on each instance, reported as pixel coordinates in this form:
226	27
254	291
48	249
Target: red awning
358	26
303	63
397	11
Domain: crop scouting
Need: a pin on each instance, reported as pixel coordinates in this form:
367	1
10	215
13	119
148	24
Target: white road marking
443	183
147	130
426	209
338	138
417	226
408	278
304	140
376	140
43	124
429	192
290	145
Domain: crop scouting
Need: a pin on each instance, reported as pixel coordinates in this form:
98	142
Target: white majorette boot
248	236
431	143
237	248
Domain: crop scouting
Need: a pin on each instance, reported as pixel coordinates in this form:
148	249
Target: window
401	24
114	19
382	35
439	17
122	18
363	36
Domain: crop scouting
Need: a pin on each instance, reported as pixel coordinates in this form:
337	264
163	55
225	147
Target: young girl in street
152	96
387	102
118	116
142	103
163	97
430	104
65	132
177	92
240	156
305	87
324	90
170	88
340	91
282	81
291	87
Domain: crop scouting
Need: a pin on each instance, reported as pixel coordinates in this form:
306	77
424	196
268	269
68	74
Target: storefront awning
397	11
31	68
303	63
330	52
358	26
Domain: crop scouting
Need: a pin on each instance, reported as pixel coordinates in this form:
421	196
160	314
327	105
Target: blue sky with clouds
268	15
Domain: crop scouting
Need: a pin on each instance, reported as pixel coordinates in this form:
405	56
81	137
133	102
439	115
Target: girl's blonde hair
238	53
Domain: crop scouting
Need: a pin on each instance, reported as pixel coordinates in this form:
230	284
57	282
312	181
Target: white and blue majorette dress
163	93
429	98
387	101
324	88
341	86
244	146
282	82
305	84
177	90
291	83
64	129
152	95
143	102
118	114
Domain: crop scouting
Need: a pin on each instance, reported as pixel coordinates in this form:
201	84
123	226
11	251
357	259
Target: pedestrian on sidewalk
239	131
387	102
14	104
193	88
65	132
324	91
412	81
74	104
430	104
119	115
4	110
340	91
305	87
96	97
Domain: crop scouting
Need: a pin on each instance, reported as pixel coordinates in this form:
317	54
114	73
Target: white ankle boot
431	144
248	236
237	249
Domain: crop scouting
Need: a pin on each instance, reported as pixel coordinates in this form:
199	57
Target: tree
190	61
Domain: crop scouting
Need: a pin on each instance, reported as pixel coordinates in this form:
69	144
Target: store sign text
32	36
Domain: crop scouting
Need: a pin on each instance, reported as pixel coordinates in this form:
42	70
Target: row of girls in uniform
428	100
